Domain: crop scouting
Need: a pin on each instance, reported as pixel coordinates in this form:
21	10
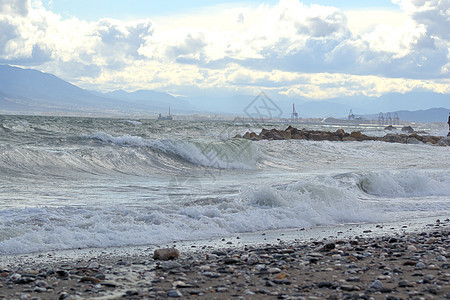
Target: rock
324	284
340	133
390	127
230	261
404	283
169	265
110	284
274	270
347	287
394	138
407	129
327	247
279	276
411	248
353	279
219	253
273	134
174	294
420	265
378	285
413	140
39	289
286	135
444	142
320	136
211	274
297	136
221	289
15	277
90	280
432	140
94	265
166	254
254	137
183	285
41	283
355	134
131	293
270	283
252	260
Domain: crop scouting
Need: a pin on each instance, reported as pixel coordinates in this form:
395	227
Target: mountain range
28	91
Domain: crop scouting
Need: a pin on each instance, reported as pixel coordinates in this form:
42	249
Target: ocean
76	183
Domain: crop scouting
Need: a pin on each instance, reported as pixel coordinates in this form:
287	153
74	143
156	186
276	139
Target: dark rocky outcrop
340	135
407	129
390	127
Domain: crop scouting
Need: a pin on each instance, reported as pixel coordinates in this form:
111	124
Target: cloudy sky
316	49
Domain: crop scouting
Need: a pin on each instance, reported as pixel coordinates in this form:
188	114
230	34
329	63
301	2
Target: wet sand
402	260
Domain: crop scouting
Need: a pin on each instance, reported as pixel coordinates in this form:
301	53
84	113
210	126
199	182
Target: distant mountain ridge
431	115
33	92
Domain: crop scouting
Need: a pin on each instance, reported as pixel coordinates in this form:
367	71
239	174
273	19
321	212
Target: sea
84	182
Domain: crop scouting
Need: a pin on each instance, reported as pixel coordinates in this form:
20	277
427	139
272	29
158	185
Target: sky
314	49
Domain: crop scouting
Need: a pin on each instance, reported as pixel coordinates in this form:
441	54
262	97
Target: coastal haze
26	91
286	148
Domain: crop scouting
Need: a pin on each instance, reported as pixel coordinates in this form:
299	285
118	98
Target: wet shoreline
364	261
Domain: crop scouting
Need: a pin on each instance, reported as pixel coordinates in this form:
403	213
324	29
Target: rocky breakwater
340	135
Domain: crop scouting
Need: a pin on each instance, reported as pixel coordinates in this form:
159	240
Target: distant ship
169	117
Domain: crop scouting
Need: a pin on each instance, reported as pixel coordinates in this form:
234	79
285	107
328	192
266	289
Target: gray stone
420	265
444	142
252	260
324	284
166	254
40	289
174	294
413	140
274	270
211	274
378	285
169	265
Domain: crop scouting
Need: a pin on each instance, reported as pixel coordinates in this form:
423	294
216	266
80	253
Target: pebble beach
375	261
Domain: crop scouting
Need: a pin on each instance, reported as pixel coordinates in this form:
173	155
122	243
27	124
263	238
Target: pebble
359	268
378	285
174	294
420	265
166	254
252	260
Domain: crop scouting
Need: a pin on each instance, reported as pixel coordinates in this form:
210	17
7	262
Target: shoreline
374	260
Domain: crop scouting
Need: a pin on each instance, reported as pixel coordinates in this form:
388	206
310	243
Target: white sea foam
409	183
82	182
133	122
229	154
315	200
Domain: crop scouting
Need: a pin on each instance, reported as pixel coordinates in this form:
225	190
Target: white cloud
293	48
14	7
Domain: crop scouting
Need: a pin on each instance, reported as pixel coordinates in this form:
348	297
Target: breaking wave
102	153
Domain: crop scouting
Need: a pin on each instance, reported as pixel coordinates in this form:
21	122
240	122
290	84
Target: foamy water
71	183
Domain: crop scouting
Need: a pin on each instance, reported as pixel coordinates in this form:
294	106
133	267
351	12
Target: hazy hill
422	116
38	88
32	91
152	99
